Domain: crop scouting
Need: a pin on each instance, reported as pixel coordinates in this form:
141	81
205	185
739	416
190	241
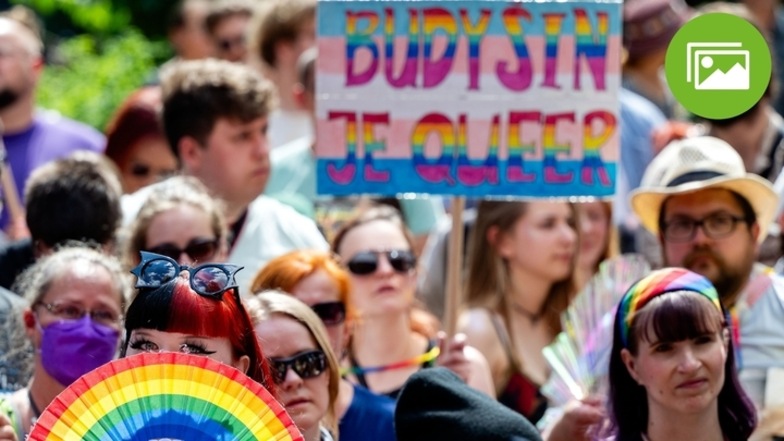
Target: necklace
35	410
419	359
532	317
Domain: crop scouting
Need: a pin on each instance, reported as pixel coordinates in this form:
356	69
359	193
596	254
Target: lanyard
419	359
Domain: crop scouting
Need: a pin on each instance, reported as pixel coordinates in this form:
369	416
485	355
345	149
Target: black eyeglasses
715	226
199	249
366	262
306	364
209	279
331	313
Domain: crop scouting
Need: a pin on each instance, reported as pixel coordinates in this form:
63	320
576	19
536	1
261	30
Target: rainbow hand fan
166	396
579	356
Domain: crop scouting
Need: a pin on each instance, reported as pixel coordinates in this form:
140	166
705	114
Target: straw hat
700	163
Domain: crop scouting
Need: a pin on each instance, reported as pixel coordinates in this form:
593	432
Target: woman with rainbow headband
672	367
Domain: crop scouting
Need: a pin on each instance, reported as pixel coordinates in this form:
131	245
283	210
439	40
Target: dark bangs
150	309
174	307
675	316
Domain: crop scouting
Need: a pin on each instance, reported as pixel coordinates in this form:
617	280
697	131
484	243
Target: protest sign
472	98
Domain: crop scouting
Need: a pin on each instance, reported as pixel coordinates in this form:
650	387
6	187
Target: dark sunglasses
331	313
307	365
225	44
366	262
199	249
144	170
209	279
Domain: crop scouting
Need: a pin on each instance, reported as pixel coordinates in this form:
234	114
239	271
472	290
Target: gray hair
36	280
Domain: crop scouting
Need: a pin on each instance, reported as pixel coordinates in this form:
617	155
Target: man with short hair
710	216
32	137
76	198
215	119
226	24
282	31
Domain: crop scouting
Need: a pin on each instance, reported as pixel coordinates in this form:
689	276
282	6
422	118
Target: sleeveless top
520	394
395	392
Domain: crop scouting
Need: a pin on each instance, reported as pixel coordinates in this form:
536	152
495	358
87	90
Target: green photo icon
718	66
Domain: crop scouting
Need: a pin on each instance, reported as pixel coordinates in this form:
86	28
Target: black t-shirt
14	259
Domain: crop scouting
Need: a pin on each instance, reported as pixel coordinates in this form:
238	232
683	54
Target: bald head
14	33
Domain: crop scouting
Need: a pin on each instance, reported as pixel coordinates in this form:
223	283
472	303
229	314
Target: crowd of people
193	225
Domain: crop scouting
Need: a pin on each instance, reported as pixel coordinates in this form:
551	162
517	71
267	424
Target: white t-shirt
270	230
287	125
761	316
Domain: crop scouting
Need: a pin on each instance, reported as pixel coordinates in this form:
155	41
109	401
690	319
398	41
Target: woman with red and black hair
195	311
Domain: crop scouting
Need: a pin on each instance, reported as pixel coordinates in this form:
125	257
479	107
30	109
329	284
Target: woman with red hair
318	280
136	143
193	310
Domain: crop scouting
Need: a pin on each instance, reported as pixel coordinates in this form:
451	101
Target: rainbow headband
655	284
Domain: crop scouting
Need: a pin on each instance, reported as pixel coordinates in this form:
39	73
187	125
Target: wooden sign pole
454	274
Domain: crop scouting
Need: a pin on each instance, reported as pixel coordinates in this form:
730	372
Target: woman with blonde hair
180	220
395	338
317	279
521	266
304	368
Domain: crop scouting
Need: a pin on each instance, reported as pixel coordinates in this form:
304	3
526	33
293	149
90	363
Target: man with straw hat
710	217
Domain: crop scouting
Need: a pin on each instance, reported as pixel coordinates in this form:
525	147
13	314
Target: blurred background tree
98	52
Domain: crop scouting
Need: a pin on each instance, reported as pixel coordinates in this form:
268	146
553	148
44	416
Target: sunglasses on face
226	44
199	249
307	365
366	262
144	170
331	313
209	279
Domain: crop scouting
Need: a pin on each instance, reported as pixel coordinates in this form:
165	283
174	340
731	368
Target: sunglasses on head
209	279
331	313
307	365
366	262
199	249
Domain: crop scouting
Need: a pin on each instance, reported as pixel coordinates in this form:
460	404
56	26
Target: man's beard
8	97
729	280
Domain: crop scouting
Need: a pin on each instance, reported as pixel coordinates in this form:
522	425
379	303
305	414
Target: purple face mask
72	348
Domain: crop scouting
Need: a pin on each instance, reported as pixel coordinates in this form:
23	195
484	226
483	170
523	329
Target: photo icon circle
718	66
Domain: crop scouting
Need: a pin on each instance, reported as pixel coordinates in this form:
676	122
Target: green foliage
104	17
96	76
93	16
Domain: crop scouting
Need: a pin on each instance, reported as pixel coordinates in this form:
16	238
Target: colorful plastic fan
166	396
580	355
